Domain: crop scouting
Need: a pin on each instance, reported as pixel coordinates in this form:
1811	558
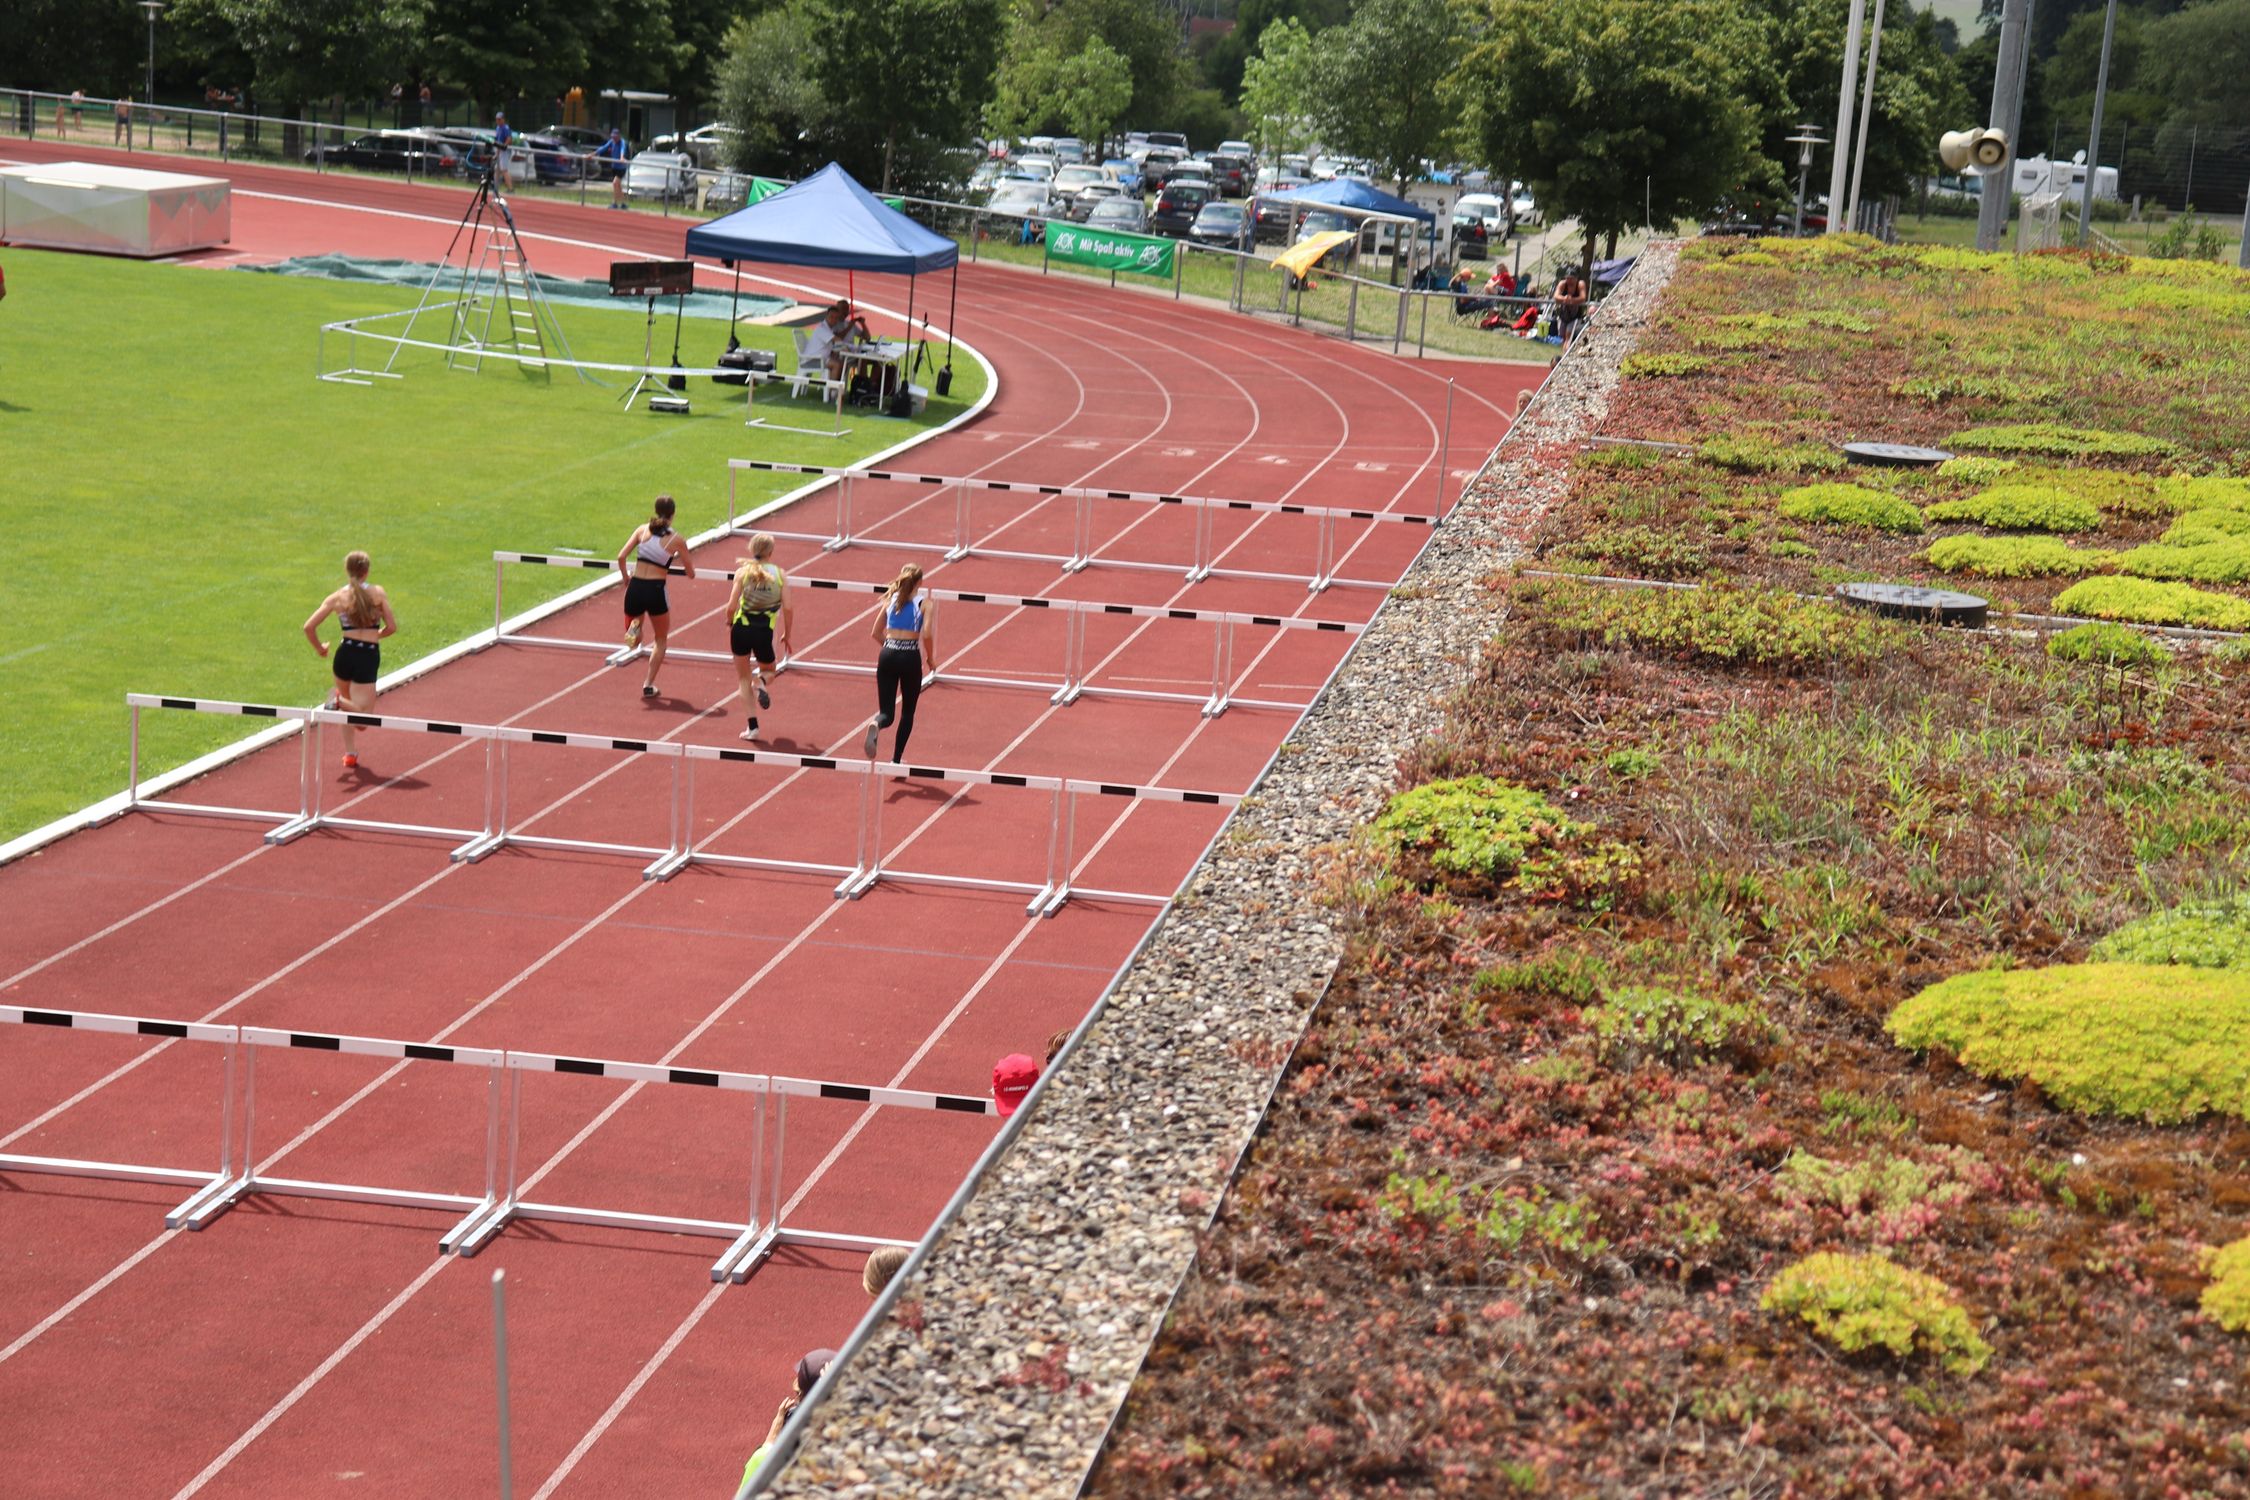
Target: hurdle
1073	685
482	1216
679	851
1083	553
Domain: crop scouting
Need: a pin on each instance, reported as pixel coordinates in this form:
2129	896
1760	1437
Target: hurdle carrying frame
1083	553
679	852
1073	684
482	1216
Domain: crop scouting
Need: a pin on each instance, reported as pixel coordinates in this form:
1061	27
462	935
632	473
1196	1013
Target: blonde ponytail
365	610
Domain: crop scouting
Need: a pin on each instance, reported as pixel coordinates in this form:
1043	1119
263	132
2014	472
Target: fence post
1179	268
1351	314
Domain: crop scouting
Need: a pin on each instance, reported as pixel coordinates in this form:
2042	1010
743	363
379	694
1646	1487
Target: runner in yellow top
761	593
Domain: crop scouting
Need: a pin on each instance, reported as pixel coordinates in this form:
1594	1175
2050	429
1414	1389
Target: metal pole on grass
1997	188
1444	449
1840	167
1866	118
2094	136
500	1360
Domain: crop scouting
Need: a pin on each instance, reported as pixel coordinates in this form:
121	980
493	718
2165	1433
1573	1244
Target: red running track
296	1343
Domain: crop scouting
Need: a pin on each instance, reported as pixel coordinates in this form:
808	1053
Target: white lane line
280	1408
85	1296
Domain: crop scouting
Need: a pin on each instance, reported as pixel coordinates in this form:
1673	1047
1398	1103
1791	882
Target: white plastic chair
809	370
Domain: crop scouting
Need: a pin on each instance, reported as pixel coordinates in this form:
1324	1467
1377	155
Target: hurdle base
1067	694
624	656
200	1208
745	1254
71	1167
857	884
475	1229
667	867
477	848
293	830
807	431
1214	706
1050	900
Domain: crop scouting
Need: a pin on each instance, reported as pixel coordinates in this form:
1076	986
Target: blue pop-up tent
831	222
1351	196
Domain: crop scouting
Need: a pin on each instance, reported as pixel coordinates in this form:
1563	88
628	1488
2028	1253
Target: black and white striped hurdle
500	830
483	1216
1073	684
1084	552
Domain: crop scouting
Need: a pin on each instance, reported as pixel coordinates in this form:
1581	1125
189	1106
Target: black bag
736	357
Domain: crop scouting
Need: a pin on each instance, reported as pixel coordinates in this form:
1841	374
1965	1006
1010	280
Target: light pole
1998	187
1866	117
152	8
2094	139
1839	173
1806	138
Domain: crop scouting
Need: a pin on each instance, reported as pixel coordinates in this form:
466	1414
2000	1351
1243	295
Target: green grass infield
180	492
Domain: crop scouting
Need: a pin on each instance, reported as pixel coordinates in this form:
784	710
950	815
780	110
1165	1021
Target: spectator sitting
1055	1044
881	1267
1502	284
836	326
809	1371
1570	306
1012	1078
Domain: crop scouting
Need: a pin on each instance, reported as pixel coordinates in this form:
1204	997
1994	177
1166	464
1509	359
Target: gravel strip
1029	1318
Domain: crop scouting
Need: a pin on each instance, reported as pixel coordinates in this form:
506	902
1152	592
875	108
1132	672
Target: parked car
659	174
1523	208
1242	149
722	188
1127	215
1230	175
1171	138
1026	200
1083	203
1226	224
418	151
1321	221
1126	171
1068	148
1491	209
476	145
705	146
1273	218
554	159
1071	180
1033	165
1177	204
988	175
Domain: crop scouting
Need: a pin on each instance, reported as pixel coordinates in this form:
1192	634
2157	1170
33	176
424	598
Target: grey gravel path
1036	1307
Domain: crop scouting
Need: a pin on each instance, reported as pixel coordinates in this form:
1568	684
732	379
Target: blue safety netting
830	221
415	275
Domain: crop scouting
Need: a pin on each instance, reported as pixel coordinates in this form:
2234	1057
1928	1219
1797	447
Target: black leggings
898	676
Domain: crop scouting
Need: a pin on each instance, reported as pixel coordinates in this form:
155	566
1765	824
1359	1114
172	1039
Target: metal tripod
515	293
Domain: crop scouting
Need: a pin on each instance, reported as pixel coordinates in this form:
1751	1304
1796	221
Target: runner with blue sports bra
761	595
644	560
909	647
363	610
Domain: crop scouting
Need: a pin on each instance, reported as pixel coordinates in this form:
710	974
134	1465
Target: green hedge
1851	505
2014	556
2149	603
2021	507
2147	1043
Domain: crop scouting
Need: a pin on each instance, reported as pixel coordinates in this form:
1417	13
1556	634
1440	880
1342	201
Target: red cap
1012	1078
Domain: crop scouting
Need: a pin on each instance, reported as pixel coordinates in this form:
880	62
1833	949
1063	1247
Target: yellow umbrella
1299	259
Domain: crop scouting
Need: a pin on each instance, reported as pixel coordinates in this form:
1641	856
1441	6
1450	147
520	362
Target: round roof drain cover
1895	455
1905	602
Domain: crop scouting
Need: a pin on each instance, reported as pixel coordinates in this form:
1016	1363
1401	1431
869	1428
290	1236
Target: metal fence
2164	165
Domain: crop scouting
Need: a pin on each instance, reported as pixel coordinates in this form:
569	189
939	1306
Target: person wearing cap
1012	1078
612	151
501	136
809	1371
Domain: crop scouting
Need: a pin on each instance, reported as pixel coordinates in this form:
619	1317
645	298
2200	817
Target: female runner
761	592
909	646
646	557
363	611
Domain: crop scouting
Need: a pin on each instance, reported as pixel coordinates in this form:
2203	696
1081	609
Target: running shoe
351	762
872	738
648	690
750	734
633	636
765	699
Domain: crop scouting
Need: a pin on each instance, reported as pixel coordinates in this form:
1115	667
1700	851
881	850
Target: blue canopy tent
829	221
1350	196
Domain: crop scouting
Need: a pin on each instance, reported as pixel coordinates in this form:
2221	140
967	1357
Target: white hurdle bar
1083	551
1073	685
679	850
482	1216
205	1184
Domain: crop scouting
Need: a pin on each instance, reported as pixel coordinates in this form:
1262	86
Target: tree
1384	86
1042	89
1226	61
498	52
769	92
1281	89
902	73
1621	112
1146	35
300	50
